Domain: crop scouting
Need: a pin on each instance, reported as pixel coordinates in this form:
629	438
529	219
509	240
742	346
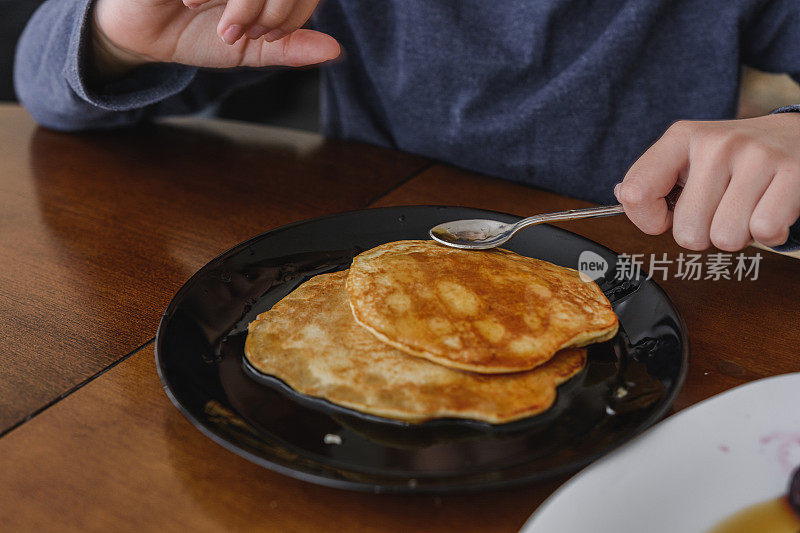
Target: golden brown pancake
311	341
488	311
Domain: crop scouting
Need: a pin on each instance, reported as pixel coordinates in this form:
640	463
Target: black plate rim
360	486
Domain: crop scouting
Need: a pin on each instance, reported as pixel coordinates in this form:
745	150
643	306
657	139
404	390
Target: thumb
299	48
651	178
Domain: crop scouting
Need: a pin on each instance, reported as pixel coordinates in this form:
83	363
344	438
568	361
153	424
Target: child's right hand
205	33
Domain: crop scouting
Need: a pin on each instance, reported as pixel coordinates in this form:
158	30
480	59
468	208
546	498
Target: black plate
628	384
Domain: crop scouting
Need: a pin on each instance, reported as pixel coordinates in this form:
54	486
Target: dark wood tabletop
99	230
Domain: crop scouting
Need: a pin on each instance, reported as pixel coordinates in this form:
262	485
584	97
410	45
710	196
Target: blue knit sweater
559	94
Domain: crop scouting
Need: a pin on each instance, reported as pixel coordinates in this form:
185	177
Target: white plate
690	471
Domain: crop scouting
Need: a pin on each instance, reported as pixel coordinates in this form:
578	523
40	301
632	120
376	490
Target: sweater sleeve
50	77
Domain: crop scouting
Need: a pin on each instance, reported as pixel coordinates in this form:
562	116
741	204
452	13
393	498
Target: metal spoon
485	234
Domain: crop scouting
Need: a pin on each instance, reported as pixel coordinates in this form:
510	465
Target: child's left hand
740	178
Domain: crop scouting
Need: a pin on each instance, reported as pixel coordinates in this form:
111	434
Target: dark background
13	15
288	98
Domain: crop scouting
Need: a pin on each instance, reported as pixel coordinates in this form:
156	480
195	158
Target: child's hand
741	181
206	33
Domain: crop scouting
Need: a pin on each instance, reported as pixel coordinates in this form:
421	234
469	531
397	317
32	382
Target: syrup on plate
778	515
773	516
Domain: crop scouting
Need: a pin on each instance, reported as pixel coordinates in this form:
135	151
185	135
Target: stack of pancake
415	331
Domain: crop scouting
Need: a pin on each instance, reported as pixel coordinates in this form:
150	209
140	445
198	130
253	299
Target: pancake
490	311
311	342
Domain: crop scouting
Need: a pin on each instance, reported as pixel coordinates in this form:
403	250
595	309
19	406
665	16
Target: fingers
194	4
706	182
280	18
272	19
752	173
742	182
778	208
300	48
238	15
651	178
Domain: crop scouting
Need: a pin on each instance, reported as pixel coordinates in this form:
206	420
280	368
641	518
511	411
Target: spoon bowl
472	234
485	234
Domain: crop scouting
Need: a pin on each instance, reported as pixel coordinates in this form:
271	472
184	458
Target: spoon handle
572	214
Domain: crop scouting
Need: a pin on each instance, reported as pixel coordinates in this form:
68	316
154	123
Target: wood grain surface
117	456
98	230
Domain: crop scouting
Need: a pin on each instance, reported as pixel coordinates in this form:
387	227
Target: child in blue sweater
565	95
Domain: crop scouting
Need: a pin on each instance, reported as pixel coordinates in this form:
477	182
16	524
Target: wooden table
98	231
